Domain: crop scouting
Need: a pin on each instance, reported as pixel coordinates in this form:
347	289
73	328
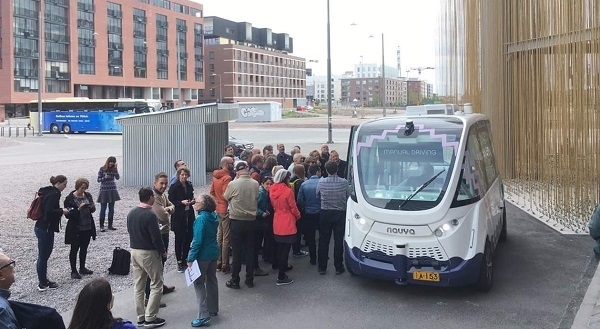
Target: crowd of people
260	204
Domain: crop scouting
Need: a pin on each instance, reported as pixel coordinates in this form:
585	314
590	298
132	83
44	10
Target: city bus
426	201
81	114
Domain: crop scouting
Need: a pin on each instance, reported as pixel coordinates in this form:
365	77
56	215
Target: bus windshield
393	165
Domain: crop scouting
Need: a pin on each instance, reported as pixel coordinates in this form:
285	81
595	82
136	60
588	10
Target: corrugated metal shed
153	141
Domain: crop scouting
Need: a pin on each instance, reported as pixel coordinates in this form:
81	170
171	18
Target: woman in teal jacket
205	250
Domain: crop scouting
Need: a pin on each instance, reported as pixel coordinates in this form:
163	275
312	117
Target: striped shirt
333	192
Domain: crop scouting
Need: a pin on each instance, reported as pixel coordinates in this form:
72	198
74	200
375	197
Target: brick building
245	63
370	93
101	49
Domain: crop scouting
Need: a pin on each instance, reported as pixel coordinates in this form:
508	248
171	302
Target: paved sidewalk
588	315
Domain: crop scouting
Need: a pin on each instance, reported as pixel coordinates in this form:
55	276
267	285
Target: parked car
239	145
301	108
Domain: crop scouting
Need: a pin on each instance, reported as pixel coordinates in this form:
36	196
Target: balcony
57	38
114	13
62	3
58	75
139	19
25	13
86	42
51	55
26	53
140	49
162	66
139	64
115	46
26	73
85	24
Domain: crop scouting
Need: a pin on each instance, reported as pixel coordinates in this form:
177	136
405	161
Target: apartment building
367	91
245	63
371	70
101	49
316	86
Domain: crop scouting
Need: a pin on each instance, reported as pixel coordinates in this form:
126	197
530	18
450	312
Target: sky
410	24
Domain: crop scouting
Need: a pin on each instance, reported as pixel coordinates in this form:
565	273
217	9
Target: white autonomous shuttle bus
427	203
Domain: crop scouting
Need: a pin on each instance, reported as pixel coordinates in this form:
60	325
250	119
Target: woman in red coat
284	221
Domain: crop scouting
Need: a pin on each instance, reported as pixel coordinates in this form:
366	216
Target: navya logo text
403	231
251	112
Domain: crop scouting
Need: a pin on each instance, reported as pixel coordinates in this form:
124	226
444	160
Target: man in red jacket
221	179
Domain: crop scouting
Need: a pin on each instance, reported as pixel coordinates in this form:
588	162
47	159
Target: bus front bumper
455	272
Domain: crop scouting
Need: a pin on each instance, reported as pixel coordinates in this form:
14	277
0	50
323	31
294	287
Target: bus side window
470	189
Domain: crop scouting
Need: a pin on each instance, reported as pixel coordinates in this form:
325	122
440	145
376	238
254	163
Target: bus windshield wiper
412	195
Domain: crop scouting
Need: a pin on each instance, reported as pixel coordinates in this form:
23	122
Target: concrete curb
588	315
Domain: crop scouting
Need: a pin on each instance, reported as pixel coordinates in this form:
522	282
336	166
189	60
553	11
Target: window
211	55
470	187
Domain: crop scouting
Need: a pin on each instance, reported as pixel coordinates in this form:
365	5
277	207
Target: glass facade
198	53
86	39
162	52
56	45
26	34
139	43
181	48
115	39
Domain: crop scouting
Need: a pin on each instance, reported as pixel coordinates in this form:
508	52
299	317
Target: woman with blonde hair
80	226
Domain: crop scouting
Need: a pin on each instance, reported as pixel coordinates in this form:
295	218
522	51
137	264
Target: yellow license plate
426	276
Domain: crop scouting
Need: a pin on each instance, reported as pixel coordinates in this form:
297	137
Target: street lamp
220	99
41	69
329	125
383	89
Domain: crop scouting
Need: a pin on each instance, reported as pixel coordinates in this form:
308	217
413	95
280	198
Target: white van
427	201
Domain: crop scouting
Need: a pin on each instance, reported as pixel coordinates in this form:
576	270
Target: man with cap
242	195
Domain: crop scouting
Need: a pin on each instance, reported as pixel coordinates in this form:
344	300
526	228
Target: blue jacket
204	245
264	203
8	319
308	202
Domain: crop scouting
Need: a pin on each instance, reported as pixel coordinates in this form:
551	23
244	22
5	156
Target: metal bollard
1	131
9	131
17	128
24	131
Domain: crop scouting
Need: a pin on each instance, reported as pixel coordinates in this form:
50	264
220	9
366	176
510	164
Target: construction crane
419	70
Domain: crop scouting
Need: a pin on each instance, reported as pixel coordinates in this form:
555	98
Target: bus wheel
503	233
66	129
486	270
54	129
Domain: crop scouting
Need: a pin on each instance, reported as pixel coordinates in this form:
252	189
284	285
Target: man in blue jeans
333	192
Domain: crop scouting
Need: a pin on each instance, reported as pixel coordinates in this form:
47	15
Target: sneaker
260	272
167	289
322	272
218	267
232	285
300	253
200	322
340	270
85	271
52	285
249	284
141	323
43	287
180	268
112	228
284	281
102	229
157	322
75	275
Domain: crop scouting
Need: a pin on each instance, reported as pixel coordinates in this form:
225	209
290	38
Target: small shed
153	141
259	111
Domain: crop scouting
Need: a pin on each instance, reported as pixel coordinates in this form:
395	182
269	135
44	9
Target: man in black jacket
283	159
147	248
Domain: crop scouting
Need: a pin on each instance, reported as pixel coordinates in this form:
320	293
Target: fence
16	131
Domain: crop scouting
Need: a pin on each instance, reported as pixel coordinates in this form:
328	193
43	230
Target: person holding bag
80	226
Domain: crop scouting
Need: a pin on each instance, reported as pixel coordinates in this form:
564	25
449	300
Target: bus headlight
446	228
362	223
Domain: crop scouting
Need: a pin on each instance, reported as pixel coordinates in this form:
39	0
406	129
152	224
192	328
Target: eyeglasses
12	263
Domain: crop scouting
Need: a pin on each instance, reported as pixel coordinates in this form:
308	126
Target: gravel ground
18	240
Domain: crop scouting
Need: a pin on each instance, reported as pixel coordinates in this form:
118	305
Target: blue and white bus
81	114
427	203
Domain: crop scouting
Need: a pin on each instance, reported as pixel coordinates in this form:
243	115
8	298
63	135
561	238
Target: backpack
293	186
35	208
32	316
121	262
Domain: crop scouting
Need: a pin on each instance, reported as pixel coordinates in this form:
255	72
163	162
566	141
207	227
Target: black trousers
332	222
260	233
309	225
242	241
269	248
83	241
283	253
183	239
